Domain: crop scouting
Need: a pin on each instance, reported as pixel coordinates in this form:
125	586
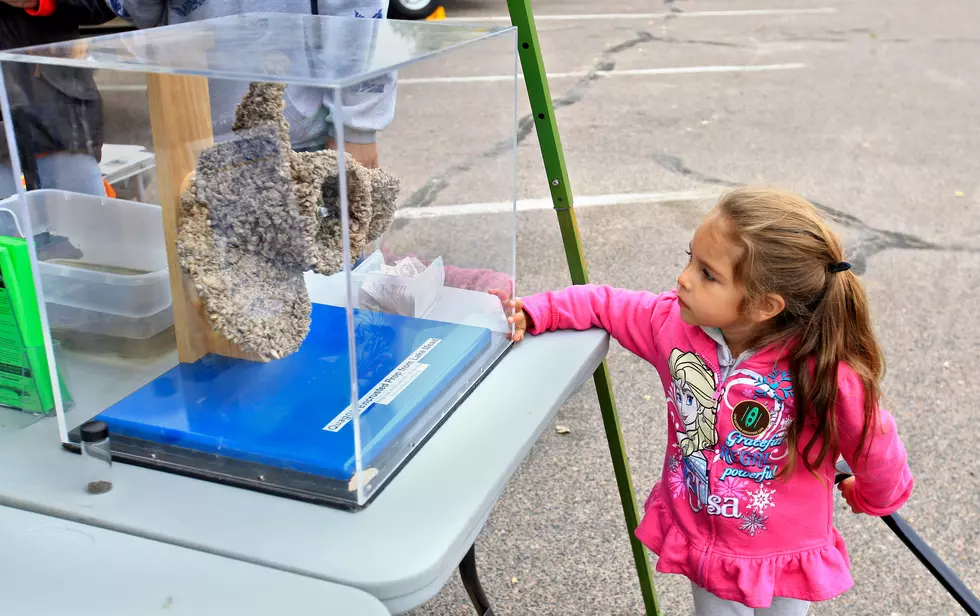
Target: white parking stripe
530	205
636	72
824	10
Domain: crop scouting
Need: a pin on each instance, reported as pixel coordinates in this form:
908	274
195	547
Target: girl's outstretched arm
632	317
882	479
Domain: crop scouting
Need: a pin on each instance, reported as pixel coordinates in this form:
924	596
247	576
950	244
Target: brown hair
787	249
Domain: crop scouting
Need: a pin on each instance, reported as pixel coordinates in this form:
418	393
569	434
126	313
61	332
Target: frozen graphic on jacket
692	395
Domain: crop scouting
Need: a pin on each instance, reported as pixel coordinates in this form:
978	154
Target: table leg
471	582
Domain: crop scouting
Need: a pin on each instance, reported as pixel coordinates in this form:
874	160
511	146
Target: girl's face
709	296
687	404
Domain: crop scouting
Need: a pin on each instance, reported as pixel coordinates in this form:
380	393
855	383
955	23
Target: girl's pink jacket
720	515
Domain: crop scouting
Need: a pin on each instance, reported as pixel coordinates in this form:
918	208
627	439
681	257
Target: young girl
771	371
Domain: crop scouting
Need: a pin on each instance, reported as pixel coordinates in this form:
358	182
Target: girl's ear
768	307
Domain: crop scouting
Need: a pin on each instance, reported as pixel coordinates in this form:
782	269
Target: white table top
53	566
402	548
124	161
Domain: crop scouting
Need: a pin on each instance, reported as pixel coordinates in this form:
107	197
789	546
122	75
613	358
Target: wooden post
180	119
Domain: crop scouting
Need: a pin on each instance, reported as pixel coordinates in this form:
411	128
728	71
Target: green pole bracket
539	95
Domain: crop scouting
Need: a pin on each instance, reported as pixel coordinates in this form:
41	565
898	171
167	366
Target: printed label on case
403	380
389	387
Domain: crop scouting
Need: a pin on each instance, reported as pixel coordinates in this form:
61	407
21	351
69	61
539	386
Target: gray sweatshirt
366	109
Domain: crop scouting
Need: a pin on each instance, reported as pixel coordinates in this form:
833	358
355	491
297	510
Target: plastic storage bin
103	268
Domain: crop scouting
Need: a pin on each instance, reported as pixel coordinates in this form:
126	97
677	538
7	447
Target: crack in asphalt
870	240
673	40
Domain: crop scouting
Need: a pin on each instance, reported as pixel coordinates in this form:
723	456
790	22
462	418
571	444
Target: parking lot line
635	72
823	10
530	205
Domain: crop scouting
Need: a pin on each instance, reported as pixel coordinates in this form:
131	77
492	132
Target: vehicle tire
411	9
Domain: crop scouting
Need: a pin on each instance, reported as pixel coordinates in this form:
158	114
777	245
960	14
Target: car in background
411	9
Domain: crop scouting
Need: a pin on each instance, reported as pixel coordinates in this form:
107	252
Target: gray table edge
56	566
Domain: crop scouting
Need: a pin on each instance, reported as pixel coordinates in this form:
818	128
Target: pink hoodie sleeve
883	481
631	317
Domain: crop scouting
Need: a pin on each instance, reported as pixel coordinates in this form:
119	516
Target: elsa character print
693	388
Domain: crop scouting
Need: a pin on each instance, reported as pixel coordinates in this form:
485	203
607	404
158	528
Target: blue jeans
72	172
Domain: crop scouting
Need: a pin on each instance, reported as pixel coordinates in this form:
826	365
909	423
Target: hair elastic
836	268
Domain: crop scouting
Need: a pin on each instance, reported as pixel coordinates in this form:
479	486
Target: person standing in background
56	110
366	109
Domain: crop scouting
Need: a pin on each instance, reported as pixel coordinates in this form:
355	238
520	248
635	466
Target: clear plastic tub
103	266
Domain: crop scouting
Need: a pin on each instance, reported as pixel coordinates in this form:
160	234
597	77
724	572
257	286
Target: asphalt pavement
869	108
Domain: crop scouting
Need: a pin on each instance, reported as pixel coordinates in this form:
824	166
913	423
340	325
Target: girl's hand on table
517	319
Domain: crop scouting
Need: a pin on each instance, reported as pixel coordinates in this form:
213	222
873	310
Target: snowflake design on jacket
732	487
673	463
761	499
785	424
753	523
676	481
777	385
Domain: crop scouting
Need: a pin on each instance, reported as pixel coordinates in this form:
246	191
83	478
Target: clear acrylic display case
267	300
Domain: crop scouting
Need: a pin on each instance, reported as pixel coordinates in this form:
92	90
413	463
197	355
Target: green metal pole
539	95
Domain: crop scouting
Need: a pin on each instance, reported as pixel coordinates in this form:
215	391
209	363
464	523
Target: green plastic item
539	95
25	379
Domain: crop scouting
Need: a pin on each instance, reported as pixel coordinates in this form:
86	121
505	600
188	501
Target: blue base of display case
294	414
